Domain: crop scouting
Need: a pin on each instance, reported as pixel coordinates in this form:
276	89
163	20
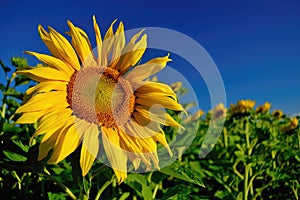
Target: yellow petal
52	122
47	145
45	36
41	74
44	87
149	86
160	137
89	149
144	71
128	142
45	101
115	154
98	40
47	87
67	142
157	115
131	145
81	43
53	62
150	151
141	131
64	49
31	117
107	45
157	98
136	163
132	53
119	43
143	148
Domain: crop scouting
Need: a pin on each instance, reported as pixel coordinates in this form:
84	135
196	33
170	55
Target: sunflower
85	98
277	113
242	106
263	108
219	111
293	123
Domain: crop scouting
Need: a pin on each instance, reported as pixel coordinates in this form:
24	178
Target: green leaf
240	155
222	194
2	87
19	62
21	145
178	192
59	196
14	156
57	170
12	103
181	172
21	80
11	128
139	183
13	93
124	196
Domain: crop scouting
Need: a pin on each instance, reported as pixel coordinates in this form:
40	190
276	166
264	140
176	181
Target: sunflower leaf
139	183
177	192
181	172
14	93
21	80
25	148
14	156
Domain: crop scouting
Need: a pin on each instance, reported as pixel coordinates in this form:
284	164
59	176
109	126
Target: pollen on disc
100	96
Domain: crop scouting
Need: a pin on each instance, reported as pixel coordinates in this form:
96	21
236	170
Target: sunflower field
257	156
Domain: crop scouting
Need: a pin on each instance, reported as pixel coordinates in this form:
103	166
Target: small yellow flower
219	111
277	113
242	106
263	108
91	97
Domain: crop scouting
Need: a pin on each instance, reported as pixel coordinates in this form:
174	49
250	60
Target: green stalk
104	186
246	183
62	186
247	167
155	191
83	196
299	139
225	137
5	96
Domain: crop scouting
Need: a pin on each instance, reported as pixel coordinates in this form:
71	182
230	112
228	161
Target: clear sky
255	44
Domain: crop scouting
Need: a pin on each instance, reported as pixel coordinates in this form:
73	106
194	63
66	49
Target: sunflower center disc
100	96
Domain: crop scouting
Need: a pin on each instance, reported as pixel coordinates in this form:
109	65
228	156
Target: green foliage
256	157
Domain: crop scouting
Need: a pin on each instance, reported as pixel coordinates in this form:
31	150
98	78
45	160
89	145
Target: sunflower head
242	106
277	113
294	123
219	111
86	98
263	108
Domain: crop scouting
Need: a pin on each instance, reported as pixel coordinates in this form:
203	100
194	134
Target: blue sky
255	44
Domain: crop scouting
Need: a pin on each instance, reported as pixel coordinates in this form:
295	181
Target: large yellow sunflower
86	97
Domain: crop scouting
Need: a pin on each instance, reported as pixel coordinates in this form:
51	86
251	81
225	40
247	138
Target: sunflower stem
4	95
104	186
155	191
62	186
98	171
